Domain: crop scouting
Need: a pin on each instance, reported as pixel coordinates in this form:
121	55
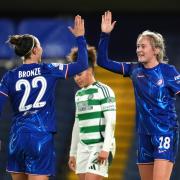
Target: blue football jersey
30	88
155	89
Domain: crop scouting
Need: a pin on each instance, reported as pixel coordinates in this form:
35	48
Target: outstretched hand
78	29
106	24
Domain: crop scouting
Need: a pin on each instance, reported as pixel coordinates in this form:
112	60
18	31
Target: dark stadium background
132	18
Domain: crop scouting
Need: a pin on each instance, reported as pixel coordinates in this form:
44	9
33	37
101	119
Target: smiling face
146	52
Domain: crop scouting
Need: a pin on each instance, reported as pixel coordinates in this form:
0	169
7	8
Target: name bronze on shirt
33	72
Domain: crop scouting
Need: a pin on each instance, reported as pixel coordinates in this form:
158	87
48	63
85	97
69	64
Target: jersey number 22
37	103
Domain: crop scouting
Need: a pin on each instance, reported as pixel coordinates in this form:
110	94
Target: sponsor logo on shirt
140	76
162	151
83	106
30	112
111	107
160	82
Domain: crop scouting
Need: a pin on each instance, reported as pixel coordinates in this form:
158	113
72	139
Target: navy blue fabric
54	35
7	28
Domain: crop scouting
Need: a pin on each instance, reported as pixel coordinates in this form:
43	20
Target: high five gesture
106	24
78	29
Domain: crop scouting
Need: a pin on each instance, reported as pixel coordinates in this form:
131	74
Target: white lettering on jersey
60	65
33	72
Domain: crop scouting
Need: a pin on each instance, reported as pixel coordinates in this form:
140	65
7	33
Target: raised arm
102	59
82	60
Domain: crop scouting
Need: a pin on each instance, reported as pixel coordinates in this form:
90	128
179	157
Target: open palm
78	29
106	23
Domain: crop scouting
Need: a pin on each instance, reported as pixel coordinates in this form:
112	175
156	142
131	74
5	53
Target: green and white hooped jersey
91	103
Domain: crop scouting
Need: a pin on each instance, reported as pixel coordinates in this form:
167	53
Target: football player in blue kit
31	89
155	85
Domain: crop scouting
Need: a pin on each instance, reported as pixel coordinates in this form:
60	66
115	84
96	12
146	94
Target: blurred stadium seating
7	28
56	41
55	38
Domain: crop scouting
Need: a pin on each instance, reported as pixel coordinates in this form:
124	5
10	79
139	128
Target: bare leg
19	176
90	176
146	171
37	177
81	176
162	169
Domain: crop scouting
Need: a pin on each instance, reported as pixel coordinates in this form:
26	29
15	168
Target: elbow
84	66
99	61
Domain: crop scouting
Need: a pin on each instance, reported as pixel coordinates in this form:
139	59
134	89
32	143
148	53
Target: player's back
31	90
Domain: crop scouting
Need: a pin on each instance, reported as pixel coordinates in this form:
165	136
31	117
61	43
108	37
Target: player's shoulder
45	65
60	66
169	70
167	67
100	85
10	72
133	64
81	92
106	90
14	70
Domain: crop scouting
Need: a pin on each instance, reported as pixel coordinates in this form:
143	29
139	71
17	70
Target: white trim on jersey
4	93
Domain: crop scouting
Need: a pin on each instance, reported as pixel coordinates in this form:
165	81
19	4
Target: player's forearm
109	130
81	63
73	148
73	152
102	58
74	139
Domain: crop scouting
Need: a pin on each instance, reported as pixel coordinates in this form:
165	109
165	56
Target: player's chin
80	85
141	60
